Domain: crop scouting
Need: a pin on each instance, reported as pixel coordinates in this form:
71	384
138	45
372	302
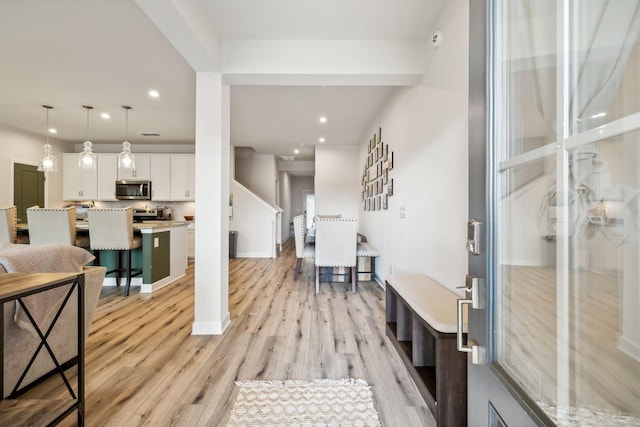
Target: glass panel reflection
527	278
598	327
528	68
604	63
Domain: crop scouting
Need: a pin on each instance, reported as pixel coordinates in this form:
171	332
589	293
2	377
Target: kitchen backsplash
179	209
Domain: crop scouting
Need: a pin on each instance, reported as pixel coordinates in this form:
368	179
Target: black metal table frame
77	282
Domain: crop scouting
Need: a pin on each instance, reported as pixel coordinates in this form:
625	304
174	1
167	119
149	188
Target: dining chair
336	242
112	229
49	226
8	224
303	250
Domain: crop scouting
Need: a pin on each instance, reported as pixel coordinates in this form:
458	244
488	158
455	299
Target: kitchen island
162	257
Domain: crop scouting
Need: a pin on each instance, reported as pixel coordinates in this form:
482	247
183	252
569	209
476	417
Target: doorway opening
309	208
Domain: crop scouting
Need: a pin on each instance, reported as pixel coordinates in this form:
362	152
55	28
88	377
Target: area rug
345	402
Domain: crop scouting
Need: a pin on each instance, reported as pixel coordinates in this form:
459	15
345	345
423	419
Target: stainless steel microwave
133	190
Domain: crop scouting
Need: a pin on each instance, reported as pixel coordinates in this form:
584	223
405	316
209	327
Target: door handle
460	341
478	354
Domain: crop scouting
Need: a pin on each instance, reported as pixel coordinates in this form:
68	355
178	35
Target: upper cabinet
160	177
142	172
78	183
107	176
183	182
172	177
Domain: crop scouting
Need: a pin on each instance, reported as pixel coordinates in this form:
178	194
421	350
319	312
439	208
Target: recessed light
105	116
154	93
53	130
323	119
321	140
296	151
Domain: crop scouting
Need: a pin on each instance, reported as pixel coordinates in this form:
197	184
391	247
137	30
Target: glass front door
561	329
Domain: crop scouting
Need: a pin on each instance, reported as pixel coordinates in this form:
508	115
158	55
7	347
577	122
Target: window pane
598	326
527	279
528	73
603	278
604	62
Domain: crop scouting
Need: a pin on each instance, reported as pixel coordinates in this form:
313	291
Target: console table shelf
421	324
28	412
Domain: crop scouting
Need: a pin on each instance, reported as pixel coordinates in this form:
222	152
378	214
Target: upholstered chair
8	224
49	226
112	229
336	241
303	250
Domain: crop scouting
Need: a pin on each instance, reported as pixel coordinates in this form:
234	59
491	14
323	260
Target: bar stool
8	224
112	229
49	226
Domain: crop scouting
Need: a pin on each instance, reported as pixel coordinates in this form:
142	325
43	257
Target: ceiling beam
324	62
186	25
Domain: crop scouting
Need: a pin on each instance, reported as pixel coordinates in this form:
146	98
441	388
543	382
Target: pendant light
48	162
126	159
87	159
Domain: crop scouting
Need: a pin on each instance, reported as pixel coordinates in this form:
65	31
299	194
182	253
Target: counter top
152	224
144	225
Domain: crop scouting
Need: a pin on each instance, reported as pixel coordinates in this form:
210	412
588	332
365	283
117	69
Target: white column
212	199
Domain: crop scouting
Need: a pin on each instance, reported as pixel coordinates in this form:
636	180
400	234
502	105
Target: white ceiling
68	53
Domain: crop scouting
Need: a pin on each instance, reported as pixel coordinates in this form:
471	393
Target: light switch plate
156	242
403	211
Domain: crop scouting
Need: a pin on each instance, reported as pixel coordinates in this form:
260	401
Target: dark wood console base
438	369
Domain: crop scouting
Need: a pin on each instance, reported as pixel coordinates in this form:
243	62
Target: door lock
473	236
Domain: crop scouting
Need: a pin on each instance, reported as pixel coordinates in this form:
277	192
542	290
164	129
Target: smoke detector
436	39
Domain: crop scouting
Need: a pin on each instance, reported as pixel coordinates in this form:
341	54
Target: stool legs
118	267
128	285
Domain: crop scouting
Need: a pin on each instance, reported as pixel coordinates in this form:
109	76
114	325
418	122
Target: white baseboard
211	328
254	255
629	347
147	288
111	281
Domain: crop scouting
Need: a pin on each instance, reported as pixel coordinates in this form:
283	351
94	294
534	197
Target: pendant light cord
88	108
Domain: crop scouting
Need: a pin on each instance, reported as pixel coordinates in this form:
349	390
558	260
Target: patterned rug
346	402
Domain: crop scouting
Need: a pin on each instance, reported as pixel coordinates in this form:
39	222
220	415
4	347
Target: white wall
337	182
22	147
254	220
426	128
258	172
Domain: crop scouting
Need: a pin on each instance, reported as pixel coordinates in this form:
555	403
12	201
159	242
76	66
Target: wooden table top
14	285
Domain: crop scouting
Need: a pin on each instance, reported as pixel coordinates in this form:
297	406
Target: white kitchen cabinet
107	176
191	241
78	183
183	182
142	172
160	177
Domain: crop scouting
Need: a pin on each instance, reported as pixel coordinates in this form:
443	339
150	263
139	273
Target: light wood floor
602	377
144	367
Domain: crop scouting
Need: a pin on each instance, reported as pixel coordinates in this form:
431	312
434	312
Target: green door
28	188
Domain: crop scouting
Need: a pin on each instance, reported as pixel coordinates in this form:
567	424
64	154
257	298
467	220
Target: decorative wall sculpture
377	186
